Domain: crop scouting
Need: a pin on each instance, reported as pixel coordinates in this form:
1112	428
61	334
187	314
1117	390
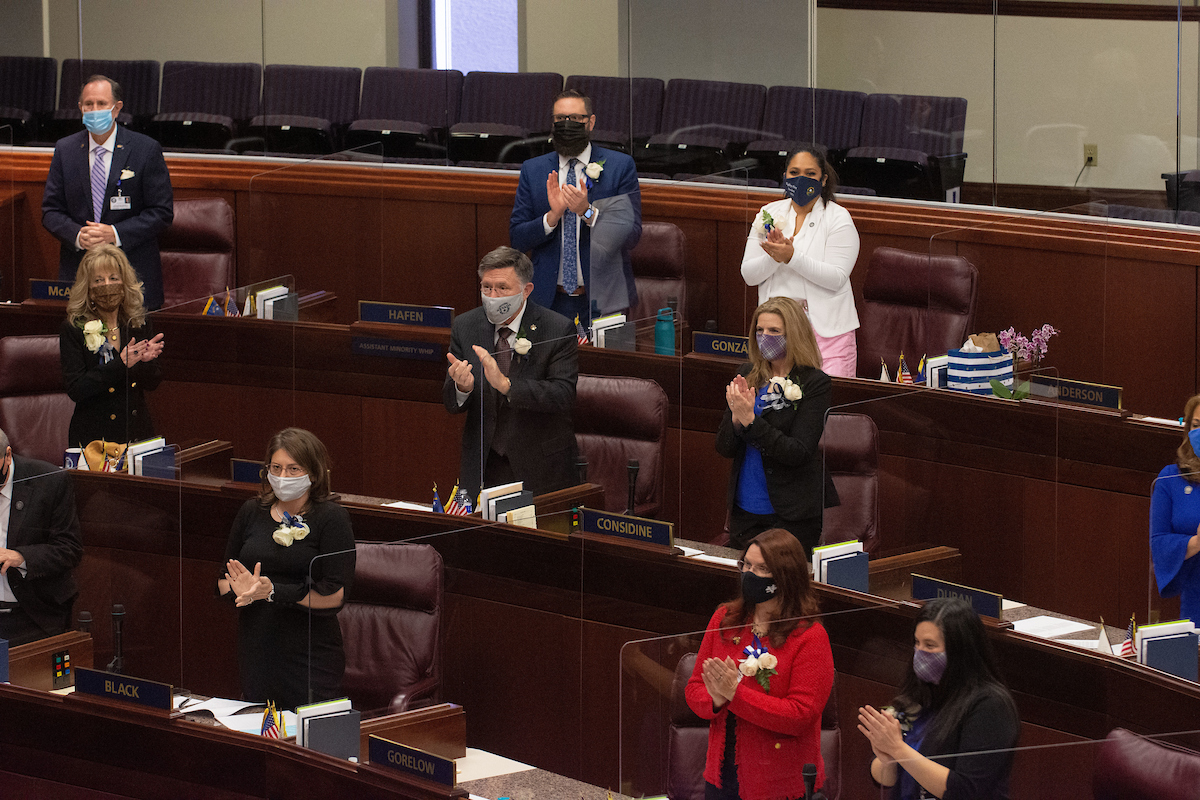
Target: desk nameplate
719	344
41	289
411	761
124	689
405	314
985	603
589	521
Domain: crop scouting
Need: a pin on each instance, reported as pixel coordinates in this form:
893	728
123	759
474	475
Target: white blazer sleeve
840	252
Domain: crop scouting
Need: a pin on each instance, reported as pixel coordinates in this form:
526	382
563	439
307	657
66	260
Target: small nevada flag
437	503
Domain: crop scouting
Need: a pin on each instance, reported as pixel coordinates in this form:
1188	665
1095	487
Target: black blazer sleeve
49	539
990	729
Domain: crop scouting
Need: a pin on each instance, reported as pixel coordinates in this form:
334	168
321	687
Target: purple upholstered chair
409	112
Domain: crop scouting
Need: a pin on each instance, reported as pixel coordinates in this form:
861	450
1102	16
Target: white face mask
288	489
498	309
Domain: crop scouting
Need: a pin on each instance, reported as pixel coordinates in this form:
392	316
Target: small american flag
580	331
270	728
1128	650
460	503
905	375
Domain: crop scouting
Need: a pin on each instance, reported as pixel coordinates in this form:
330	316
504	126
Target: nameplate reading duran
122	687
986	604
40	289
1097	395
401	314
639	529
718	344
395	348
411	761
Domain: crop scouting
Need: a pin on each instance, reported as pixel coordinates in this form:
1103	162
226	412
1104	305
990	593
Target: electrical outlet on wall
1091	155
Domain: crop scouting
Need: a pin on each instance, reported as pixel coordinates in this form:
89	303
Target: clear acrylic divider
8	219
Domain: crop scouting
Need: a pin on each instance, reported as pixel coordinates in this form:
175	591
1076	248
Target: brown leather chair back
687	742
35	411
916	304
198	258
391	627
1129	767
616	420
658	269
851	447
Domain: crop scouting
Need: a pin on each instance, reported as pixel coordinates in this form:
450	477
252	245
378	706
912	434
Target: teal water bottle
664	333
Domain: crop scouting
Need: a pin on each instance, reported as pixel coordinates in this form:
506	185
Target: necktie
503	350
570	280
98	184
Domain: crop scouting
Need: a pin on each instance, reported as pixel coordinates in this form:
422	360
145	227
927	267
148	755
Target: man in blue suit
556	207
108	185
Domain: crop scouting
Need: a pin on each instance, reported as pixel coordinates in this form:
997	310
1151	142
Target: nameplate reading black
40	289
1097	395
625	526
403	314
986	604
718	344
121	687
396	348
411	761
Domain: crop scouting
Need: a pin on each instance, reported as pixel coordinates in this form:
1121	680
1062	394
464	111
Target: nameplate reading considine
40	289
396	348
1097	395
639	529
402	314
986	604
121	687
719	344
411	761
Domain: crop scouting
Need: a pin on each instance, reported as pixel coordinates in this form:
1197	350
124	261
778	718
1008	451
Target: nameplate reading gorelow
719	344
124	688
986	604
404	314
625	526
411	761
396	348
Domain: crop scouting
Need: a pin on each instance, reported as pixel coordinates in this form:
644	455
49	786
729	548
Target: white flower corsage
292	529
93	334
126	174
521	346
783	392
759	664
592	171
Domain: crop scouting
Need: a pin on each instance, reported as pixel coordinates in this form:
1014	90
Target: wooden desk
538	632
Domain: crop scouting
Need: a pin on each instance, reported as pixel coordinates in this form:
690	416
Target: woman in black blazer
771	429
109	351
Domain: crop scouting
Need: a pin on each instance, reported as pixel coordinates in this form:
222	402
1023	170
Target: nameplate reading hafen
404	314
124	688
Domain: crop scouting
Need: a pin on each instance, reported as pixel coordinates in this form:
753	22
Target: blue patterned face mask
98	122
802	189
1194	438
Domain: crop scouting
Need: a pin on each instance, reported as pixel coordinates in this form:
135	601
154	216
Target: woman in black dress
109	351
289	566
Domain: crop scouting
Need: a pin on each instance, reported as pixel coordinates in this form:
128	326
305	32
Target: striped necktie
99	184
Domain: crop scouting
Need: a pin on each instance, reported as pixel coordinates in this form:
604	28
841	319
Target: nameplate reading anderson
411	761
403	314
625	526
124	688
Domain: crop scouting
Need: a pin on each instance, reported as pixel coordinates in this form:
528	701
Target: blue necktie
570	277
98	184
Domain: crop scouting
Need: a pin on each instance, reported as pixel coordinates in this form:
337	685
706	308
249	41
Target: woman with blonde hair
1175	520
771	429
109	351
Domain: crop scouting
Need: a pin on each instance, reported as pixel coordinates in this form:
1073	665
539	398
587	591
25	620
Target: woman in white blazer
804	247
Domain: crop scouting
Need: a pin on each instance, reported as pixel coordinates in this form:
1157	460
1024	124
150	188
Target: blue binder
1178	654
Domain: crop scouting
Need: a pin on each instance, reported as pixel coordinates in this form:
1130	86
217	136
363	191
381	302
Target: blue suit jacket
527	233
67	203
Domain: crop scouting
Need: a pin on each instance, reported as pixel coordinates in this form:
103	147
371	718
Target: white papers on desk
688	552
728	562
1085	644
1009	605
409	506
1049	627
252	723
480	764
217	706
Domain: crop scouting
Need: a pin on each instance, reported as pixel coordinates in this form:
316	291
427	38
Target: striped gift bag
974	372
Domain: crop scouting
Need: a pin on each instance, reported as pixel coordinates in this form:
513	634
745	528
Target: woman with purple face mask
1175	520
950	731
772	425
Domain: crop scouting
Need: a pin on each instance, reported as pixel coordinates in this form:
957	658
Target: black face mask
756	589
570	137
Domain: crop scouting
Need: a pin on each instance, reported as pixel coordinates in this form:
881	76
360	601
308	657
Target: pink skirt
839	354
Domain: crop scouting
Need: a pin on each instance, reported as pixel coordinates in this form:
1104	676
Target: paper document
409	506
1009	605
480	764
252	723
688	552
729	562
1049	627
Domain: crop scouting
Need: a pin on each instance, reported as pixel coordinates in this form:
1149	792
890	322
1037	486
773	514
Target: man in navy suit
513	369
556	207
39	547
108	185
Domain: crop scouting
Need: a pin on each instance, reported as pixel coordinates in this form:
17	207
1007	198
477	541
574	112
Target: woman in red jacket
762	677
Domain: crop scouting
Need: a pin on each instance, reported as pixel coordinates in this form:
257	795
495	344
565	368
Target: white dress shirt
564	162
109	144
6	594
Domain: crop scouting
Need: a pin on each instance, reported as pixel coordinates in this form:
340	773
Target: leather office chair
391	627
658	269
618	419
35	411
916	304
1129	767
851	447
198	252
687	742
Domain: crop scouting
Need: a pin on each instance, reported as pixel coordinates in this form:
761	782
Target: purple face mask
772	346
930	667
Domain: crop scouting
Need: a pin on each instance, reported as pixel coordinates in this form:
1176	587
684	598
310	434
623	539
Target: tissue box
974	372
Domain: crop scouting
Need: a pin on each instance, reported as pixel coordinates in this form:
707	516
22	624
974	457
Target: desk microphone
581	467
633	471
85	621
118	663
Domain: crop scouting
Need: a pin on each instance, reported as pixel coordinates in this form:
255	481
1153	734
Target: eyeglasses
570	117
291	470
758	569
